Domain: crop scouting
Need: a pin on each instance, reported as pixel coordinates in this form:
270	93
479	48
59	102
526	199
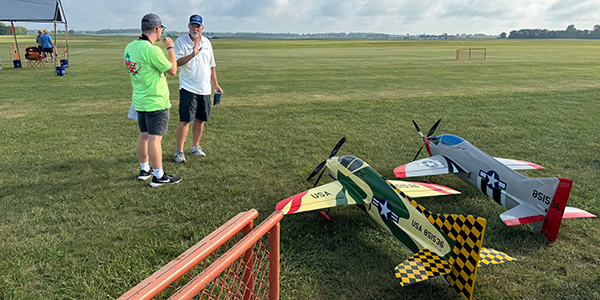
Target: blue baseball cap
196	19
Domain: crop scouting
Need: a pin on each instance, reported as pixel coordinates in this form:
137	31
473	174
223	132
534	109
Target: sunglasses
163	28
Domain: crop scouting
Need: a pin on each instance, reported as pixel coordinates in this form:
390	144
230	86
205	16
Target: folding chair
35	59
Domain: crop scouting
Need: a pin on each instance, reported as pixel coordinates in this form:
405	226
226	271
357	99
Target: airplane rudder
468	232
555	213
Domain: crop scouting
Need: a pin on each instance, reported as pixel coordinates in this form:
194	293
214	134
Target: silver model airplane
540	202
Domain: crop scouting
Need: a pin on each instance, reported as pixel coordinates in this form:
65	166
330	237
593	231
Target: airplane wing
421	266
522	214
493	257
421	189
518	164
324	196
435	165
576	213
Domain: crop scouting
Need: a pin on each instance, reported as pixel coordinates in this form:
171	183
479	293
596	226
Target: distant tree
595	33
71	31
19	30
7	30
503	35
4	30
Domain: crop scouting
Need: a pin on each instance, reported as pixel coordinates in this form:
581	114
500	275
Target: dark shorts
48	50
154	122
193	106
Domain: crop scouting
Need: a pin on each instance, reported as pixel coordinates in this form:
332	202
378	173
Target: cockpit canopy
352	163
446	139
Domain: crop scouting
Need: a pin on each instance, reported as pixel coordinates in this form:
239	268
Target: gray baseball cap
152	20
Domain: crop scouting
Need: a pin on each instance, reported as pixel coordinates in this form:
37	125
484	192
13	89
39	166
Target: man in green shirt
147	66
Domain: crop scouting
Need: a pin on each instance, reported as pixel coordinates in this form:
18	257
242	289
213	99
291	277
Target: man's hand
197	47
218	89
167	42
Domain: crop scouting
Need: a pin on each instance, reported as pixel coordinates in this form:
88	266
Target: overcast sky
316	16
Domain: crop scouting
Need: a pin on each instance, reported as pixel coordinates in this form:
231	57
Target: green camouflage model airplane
443	245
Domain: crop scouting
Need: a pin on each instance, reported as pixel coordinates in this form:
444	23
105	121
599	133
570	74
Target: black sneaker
165	179
145	174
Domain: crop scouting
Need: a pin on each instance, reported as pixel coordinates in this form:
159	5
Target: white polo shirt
194	76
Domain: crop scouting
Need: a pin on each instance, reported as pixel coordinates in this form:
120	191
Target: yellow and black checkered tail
493	257
467	232
421	266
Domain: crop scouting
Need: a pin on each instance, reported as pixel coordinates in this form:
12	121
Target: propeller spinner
430	133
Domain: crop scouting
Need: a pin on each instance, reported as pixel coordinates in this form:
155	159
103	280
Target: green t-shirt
147	64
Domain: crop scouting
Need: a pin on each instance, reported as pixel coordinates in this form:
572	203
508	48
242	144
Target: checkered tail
421	266
468	233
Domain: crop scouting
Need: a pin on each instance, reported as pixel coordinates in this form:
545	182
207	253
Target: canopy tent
43	11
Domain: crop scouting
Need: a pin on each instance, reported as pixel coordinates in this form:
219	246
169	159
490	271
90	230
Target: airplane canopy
32	11
447	139
352	163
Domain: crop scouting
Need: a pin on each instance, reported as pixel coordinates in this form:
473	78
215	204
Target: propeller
433	128
430	133
322	164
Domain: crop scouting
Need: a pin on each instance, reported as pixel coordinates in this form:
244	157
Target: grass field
76	224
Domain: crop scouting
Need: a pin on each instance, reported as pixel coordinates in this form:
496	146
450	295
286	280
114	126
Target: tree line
570	33
6	30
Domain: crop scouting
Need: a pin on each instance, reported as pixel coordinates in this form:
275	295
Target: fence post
274	262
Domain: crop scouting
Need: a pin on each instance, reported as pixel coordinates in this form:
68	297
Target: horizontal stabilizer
518	164
421	266
522	214
324	196
576	213
422	189
493	257
435	165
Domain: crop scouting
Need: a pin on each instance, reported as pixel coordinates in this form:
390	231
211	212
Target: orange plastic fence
222	265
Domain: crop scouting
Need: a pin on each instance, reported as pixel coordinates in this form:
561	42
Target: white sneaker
197	151
179	157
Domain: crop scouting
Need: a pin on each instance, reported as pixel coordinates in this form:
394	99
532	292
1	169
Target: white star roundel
431	164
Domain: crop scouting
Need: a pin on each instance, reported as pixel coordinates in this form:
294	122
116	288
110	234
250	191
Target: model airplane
446	245
540	202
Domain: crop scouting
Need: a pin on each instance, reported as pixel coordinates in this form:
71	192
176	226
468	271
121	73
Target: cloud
303	16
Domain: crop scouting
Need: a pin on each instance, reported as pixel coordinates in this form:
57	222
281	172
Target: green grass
75	224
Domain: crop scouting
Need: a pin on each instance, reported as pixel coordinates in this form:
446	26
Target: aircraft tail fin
555	213
467	232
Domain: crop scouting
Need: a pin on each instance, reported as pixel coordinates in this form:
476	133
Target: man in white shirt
194	55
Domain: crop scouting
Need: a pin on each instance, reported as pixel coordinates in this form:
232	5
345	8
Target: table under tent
39	11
